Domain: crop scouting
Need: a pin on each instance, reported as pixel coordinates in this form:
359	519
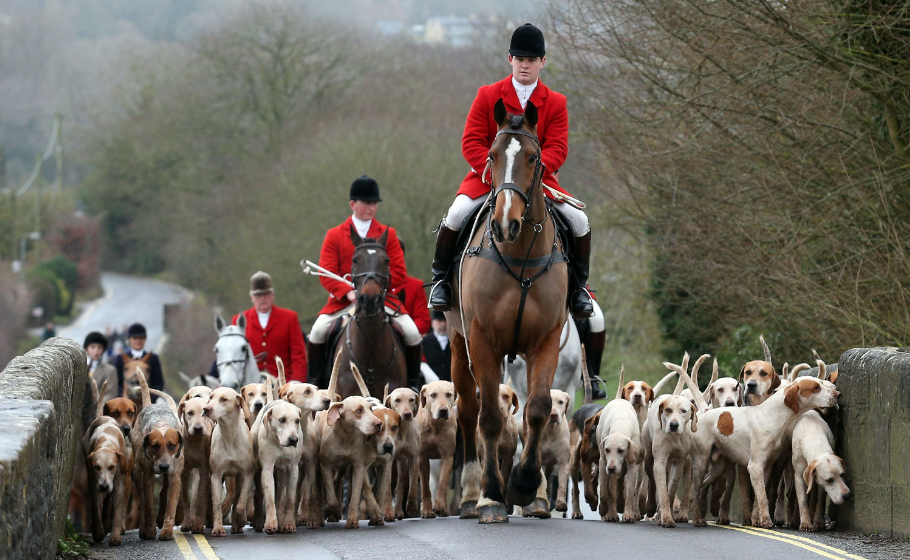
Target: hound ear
334	413
180	408
384	238
809	475
246	411
423	397
145	440
514	403
121	458
265	423
739	395
355	237
694	421
775	381
660	414
650	394
219	323
832	377
387	402
180	443
634	453
531	114
568	401
241	322
710	395
791	397
742	374
499	112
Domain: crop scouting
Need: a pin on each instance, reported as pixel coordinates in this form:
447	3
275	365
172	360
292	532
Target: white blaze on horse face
371	251
513	148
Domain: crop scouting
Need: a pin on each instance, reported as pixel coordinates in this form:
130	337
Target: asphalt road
126	300
561	539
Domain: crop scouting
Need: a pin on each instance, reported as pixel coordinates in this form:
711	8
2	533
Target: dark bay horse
511	300
369	340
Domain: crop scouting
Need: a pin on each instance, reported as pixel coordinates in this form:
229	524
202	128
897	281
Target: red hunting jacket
480	130
282	337
415	303
337	252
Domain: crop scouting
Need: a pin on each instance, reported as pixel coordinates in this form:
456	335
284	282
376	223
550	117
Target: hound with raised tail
406	403
752	437
437	425
157	449
231	455
108	461
619	442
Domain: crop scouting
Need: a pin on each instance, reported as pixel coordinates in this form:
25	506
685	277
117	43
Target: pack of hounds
283	455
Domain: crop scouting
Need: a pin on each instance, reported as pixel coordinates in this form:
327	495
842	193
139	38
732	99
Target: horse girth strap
506	261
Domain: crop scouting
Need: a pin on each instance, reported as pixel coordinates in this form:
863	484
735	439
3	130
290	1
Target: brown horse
369	340
511	300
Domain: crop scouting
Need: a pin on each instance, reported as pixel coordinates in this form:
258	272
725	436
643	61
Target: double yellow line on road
184	545
816	547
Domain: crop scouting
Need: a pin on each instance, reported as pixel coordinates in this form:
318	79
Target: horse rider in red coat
274	330
527	56
337	252
414	299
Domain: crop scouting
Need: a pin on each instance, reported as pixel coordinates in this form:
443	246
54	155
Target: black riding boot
579	301
441	290
315	364
412	358
594	351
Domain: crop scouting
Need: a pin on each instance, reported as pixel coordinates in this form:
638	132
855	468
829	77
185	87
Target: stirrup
446	304
585	313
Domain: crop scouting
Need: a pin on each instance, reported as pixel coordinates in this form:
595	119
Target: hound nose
292	440
444	413
206	410
408	416
387	448
198	430
126	429
377	427
257	407
729	403
674	426
326	402
163	468
611	468
104	487
554	417
751	385
848	495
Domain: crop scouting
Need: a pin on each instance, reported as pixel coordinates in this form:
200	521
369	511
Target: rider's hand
351	296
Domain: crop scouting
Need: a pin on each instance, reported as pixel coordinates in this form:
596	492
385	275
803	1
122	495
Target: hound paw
115	541
399	515
352	523
147	534
427	514
288	528
166	535
218	532
98	536
312	523
441	511
766	522
703	523
816	527
237	528
271	527
628	518
610	517
722	520
389	518
577	515
562	506
376	522
681	518
806	527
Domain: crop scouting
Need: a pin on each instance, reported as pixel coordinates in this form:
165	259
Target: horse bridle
539	166
246	353
381	279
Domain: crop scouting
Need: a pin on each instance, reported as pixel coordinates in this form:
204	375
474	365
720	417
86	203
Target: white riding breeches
463	206
320	330
596	321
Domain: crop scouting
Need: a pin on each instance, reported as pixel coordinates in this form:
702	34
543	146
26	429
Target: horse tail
167	398
282	380
364	391
143	388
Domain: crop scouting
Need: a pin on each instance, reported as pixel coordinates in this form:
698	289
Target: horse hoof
493	513
469	510
523	486
540	509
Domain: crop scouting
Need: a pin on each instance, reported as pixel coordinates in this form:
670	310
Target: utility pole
59	150
38	204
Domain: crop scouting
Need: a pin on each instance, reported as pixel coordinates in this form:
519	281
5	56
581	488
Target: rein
370	375
493	253
246	354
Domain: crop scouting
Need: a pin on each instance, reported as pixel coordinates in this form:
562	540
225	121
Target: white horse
568	369
233	355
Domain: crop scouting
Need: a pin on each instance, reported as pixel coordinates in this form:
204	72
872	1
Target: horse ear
384	238
219	323
499	112
241	322
355	237
531	114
